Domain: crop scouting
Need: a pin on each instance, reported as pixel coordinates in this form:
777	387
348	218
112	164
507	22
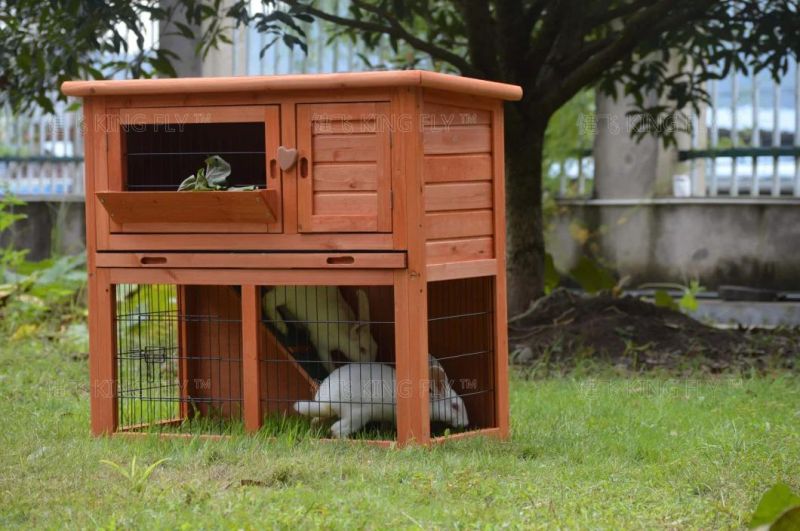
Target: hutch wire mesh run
354	289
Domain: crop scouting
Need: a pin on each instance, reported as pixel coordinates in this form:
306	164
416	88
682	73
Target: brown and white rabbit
330	320
358	393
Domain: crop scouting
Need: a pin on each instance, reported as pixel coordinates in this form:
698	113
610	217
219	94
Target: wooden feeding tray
172	211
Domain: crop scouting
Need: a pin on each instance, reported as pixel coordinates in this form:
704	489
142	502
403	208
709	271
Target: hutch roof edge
432	80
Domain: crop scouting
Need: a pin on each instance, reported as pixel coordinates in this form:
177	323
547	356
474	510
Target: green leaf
149	470
185	30
774	503
122	470
187	184
217	170
551	277
592	276
664	300
162	65
201	183
688	301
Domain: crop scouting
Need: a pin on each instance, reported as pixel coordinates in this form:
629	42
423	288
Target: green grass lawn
604	452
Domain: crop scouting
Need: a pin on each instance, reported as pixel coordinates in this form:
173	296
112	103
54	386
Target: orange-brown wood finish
251	346
293	83
465	344
102	354
410	286
282	380
501	297
398	186
344	167
183	354
191	211
255	260
183	214
214	351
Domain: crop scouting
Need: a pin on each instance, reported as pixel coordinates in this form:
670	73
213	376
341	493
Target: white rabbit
358	393
331	322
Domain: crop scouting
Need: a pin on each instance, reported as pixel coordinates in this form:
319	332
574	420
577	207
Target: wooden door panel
344	174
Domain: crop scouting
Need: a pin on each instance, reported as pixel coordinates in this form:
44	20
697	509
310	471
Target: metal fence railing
746	143
40	154
751	145
575	175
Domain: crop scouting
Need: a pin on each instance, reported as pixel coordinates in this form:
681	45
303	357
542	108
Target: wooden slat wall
459	217
348	188
213	348
460	337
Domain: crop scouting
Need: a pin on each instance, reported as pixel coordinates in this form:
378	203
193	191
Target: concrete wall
755	243
635	226
50	228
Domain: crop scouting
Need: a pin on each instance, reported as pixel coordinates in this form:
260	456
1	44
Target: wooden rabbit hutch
370	237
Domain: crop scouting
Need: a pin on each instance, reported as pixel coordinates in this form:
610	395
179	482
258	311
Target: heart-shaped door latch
286	158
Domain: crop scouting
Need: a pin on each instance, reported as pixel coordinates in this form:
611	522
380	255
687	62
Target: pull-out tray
228	210
273	260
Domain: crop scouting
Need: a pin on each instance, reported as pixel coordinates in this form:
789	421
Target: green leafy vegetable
217	171
213	177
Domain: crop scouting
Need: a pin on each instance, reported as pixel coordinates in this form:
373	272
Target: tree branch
481	37
543	42
394	29
652	21
514	27
619	12
535	11
588	51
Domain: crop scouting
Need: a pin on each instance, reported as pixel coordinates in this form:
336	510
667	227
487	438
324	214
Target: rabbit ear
438	380
356	329
363	305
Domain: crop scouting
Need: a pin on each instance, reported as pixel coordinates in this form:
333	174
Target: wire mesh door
179	356
327	355
461	340
158	157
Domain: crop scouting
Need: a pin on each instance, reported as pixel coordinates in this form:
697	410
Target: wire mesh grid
327	354
178	353
326	358
161	156
461	341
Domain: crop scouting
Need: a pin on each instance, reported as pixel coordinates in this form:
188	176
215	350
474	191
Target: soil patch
565	328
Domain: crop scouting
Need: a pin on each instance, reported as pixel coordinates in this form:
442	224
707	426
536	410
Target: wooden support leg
501	353
183	354
251	394
411	358
102	358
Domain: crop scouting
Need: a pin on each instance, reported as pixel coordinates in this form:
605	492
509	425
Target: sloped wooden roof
433	80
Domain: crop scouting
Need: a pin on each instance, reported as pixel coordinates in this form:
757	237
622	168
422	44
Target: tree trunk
525	235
